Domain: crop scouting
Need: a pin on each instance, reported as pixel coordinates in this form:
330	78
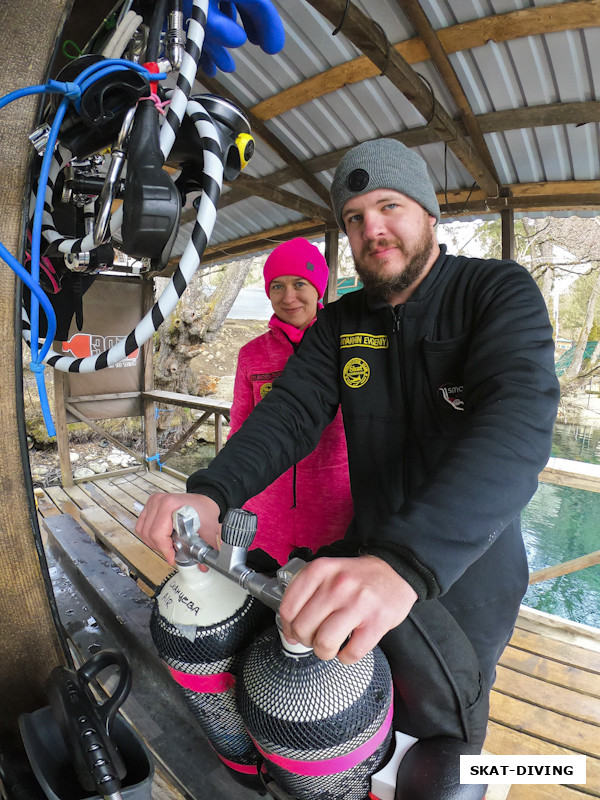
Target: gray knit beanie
382	164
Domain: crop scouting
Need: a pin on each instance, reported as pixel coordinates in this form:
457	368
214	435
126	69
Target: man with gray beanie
444	369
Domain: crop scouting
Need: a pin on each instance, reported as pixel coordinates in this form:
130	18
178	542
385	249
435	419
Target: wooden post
29	643
218	432
507	217
148	405
62	432
331	256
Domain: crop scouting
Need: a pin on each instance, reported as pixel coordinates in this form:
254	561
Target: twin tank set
274	713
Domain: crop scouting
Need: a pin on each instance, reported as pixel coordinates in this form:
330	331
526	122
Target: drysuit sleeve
283	428
489	471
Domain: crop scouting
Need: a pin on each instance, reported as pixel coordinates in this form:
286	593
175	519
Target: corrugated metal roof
512	69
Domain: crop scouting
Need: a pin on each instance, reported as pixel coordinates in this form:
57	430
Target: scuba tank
200	624
323	727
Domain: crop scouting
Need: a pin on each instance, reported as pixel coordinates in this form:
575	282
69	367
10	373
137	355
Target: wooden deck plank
152	486
115	490
506	741
169	483
548	695
556	650
133	490
126	518
63	502
547	670
45	506
78	496
580	737
142	561
531	791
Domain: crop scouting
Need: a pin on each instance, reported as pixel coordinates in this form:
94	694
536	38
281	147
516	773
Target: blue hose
72	92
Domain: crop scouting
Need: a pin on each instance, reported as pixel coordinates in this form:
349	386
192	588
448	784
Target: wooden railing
210	407
545	574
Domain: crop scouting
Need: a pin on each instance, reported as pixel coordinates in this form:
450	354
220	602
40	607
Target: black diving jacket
448	401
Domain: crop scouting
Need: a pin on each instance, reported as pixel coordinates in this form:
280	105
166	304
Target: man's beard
383	287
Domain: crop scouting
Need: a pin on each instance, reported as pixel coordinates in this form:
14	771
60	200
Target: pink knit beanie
297	257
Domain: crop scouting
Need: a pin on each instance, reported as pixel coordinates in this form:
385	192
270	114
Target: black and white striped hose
212	181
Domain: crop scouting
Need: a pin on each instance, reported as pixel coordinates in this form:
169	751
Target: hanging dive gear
94	123
97	111
151	202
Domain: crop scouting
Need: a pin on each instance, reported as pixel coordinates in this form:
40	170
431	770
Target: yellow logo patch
356	373
364	340
265	389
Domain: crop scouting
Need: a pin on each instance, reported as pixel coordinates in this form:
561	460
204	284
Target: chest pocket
444	365
262	385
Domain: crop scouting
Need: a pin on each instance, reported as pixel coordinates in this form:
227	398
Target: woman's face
294	300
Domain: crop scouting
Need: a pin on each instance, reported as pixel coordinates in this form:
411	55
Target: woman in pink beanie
309	505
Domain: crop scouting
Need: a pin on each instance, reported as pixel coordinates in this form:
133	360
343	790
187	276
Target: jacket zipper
398	313
295	474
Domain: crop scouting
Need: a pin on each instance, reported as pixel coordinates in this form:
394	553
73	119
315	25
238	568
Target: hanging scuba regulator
151	200
117	108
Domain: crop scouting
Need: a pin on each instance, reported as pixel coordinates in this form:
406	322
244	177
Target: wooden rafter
454	39
493	122
260	188
557	195
439	57
367	37
542	196
256	242
247	186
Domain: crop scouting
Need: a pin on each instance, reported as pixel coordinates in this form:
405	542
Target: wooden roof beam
368	37
558	195
259	188
493	122
247	186
264	240
546	196
439	57
454	39
543	196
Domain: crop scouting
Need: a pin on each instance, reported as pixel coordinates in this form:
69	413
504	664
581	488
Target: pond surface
577	442
560	524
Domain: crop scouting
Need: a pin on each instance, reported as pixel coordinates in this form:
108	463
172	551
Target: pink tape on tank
248	769
331	766
207	684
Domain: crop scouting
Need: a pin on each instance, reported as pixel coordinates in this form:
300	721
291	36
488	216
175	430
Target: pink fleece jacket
308	506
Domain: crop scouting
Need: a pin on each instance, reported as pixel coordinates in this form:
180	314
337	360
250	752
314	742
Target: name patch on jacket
265	376
363	340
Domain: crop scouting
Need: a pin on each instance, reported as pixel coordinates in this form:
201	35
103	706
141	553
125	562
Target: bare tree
574	368
197	318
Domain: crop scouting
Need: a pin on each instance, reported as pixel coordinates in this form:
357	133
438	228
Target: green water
560	524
